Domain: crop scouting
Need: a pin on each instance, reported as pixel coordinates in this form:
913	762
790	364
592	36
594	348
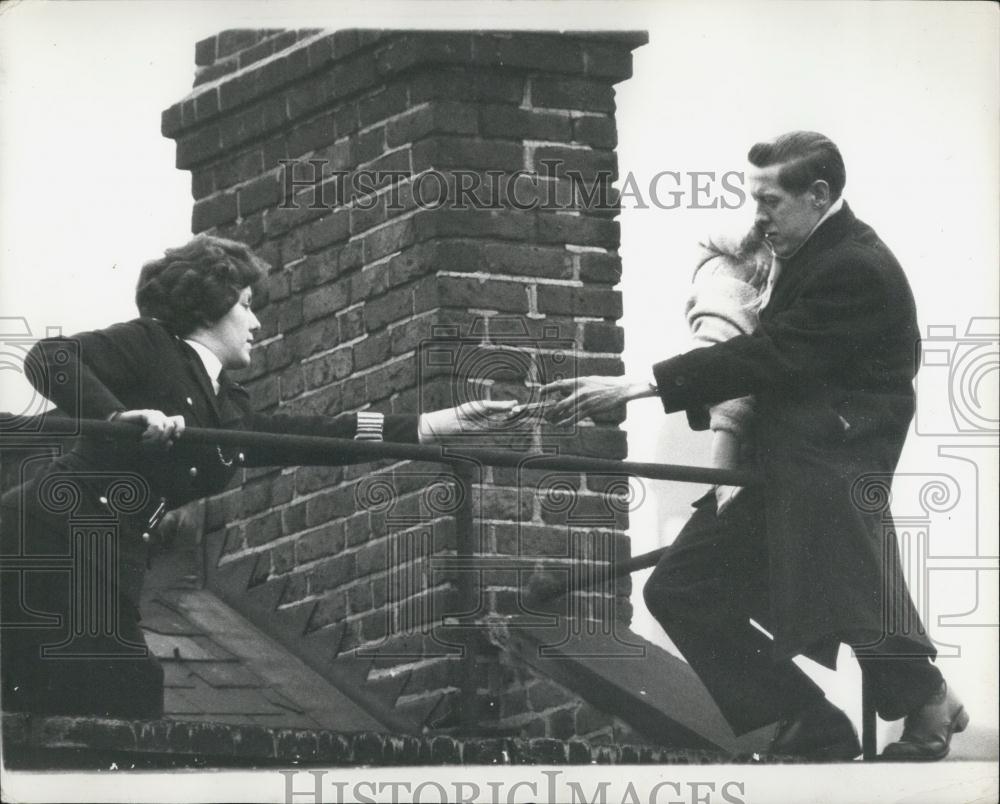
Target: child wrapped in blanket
727	293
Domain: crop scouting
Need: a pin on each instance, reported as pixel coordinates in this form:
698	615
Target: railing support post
469	586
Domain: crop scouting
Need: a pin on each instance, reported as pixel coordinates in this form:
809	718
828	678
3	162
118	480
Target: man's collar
212	364
833	209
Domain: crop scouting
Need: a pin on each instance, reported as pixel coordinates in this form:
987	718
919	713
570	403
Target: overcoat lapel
196	369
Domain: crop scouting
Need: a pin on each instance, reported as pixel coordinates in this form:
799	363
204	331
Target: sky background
88	192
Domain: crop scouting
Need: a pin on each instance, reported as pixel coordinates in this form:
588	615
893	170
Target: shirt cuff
370	426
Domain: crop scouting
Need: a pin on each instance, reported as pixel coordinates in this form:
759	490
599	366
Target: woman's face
232	335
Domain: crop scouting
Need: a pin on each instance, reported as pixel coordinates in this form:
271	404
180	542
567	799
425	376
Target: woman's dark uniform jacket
130	366
831	367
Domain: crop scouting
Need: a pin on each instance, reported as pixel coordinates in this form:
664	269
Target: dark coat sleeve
841	308
397	428
85	375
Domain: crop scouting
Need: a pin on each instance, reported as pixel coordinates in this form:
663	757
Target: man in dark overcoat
810	555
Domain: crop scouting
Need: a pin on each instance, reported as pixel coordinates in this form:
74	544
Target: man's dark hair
805	156
196	284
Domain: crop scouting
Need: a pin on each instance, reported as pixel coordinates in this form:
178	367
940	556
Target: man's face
784	218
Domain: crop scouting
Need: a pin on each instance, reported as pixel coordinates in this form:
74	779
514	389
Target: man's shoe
927	730
820	732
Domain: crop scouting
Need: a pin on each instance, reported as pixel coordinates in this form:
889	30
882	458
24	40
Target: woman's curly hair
197	284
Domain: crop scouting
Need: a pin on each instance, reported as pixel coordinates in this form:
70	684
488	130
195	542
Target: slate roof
220	668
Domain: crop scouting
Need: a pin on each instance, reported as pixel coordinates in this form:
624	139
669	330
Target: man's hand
469	417
161	430
586	396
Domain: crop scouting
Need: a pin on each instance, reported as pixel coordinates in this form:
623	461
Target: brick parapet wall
366	284
92	743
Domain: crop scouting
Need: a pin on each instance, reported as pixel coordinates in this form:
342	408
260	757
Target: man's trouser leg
703	592
899	678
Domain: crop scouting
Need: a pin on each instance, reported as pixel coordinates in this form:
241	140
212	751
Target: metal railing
323	451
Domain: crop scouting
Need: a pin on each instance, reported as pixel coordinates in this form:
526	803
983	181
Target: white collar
835	207
212	364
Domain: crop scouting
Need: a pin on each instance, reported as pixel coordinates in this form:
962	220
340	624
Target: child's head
746	257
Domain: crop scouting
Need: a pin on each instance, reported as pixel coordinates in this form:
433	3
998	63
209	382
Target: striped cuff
369	426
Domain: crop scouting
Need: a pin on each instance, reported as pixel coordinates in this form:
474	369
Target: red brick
579	230
394	236
572	93
255	121
502	225
249	230
350	77
326	541
508	297
212	211
372	350
599	132
367	212
579	301
350	323
206	104
585	165
602	442
257	52
330	574
372	558
202	183
313	478
331	609
405	51
282	558
526	260
428	84
198	146
324	507
326	299
238	168
264	392
264	191
511	122
217	70
395	305
312	134
331	228
205	51
381	104
601	337
444	117
607	60
234	39
332	47
263	529
289	314
391	379
467	152
328	368
603	268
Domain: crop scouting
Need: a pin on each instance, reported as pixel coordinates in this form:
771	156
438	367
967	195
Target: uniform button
146	537
190	401
102	500
679	381
241	457
193	471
